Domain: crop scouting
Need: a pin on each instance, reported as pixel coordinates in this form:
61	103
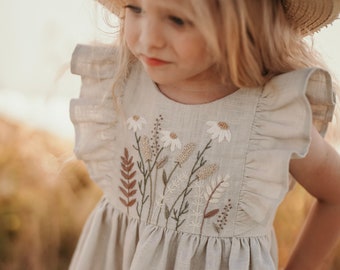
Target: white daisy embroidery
135	122
220	130
171	140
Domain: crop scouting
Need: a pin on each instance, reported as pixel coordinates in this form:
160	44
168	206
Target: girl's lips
153	61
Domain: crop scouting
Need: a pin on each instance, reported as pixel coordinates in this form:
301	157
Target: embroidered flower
206	171
220	130
145	148
188	149
135	122
171	140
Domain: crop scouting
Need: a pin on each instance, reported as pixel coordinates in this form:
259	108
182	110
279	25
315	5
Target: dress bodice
214	171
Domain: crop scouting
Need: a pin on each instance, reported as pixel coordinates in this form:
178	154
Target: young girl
191	128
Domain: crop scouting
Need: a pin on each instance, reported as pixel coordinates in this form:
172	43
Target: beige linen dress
188	186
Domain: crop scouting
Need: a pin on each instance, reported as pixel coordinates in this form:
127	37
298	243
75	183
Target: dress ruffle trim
93	114
111	240
288	106
94	61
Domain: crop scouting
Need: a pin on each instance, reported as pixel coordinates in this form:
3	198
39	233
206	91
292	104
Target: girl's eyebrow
130	2
166	7
176	8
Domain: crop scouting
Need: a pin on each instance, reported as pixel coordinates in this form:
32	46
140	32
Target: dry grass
45	200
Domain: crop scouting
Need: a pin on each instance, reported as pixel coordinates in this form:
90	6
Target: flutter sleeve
288	107
93	113
321	99
291	103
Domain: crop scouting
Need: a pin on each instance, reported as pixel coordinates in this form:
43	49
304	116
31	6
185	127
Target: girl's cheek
130	36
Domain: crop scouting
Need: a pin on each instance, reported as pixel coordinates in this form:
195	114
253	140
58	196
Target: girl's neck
197	93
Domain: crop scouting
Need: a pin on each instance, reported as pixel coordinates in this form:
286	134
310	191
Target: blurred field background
44	199
45	194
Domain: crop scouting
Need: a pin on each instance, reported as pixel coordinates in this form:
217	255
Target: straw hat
306	15
310	15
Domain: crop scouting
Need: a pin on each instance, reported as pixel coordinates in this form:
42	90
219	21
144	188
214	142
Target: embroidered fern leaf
212	195
128	183
125	203
215	190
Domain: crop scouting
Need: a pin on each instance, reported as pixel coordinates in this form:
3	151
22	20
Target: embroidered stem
212	212
146	172
151	193
166	180
199	163
141	184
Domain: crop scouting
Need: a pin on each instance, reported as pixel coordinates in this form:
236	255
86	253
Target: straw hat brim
307	16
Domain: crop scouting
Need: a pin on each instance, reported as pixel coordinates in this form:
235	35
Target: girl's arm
319	174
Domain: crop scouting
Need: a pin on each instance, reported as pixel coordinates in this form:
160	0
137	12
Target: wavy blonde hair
252	41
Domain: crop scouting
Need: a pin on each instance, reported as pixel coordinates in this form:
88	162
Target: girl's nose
152	35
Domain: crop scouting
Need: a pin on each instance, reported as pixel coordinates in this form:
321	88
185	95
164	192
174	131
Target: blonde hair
252	41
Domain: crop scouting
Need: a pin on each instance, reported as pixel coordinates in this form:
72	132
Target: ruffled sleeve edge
285	112
96	61
311	89
321	97
93	113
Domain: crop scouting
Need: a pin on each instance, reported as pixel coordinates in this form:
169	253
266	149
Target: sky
37	40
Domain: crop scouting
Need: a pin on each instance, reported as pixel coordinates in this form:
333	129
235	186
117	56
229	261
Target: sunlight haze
37	40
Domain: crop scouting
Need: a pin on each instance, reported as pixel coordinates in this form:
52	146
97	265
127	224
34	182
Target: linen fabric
188	186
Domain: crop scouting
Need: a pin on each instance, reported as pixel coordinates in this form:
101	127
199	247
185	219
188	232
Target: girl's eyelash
177	20
134	9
